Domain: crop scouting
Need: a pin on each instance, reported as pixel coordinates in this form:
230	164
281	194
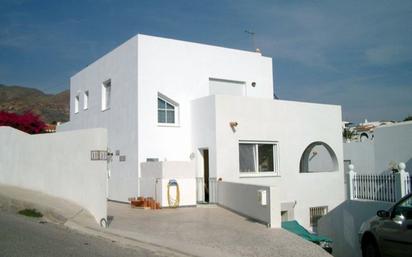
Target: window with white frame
106	94
258	158
86	100
76	103
167	110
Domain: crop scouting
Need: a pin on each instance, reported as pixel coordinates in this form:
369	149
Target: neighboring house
50	128
365	131
391	144
170	100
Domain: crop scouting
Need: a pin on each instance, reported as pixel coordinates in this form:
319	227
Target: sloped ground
212	231
207	231
23	236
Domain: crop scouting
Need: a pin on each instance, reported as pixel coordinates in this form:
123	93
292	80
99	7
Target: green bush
31	213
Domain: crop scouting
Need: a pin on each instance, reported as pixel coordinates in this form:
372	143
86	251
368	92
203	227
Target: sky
357	54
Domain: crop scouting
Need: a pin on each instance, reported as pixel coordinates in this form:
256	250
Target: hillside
20	99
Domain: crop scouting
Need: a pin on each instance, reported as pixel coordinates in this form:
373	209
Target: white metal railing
212	190
200	190
385	187
374	187
408	185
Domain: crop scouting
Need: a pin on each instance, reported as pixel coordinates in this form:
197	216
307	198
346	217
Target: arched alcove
364	137
318	157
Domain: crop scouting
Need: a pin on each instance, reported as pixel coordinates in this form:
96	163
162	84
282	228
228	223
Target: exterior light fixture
233	124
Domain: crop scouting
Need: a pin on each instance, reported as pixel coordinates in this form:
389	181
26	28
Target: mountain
19	99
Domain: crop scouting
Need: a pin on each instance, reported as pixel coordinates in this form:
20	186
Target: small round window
318	157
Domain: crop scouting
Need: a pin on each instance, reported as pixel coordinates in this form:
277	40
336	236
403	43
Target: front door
206	173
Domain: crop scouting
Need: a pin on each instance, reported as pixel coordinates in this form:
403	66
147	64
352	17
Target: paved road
22	236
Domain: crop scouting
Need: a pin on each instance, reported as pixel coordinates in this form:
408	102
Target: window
76	103
315	214
255	158
403	209
226	87
106	94
86	100
166	110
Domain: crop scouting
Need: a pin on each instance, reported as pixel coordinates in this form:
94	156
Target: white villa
208	112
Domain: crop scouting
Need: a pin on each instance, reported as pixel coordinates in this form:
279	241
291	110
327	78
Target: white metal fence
200	189
385	187
374	187
408	185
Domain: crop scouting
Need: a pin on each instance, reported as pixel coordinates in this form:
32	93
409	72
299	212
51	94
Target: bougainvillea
27	122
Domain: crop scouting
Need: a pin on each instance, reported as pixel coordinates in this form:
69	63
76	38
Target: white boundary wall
58	165
156	176
392	144
244	199
343	223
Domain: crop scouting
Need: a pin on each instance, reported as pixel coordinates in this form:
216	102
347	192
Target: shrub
27	122
31	213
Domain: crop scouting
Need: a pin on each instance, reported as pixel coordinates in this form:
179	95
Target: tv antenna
252	34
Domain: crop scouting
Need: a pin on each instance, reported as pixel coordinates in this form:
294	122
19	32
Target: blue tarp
294	227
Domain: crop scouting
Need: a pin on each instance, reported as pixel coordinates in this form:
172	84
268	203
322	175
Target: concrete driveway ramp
207	232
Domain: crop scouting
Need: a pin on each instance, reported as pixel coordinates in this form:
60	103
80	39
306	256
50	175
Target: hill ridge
20	99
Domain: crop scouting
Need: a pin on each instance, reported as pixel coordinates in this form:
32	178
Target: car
389	233
294	227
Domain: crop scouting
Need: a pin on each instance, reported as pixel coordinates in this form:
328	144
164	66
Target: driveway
207	231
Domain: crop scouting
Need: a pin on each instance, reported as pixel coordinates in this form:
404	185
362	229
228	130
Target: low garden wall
245	200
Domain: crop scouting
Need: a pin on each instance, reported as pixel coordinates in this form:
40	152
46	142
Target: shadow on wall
342	224
409	166
318	157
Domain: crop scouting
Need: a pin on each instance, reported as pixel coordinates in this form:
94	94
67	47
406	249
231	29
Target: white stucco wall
155	177
294	126
343	223
120	66
141	68
243	199
57	164
391	144
203	136
361	155
181	71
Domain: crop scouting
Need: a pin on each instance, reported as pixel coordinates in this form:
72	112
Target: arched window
318	157
167	110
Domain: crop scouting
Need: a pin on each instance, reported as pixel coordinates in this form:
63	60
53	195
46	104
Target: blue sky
357	54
